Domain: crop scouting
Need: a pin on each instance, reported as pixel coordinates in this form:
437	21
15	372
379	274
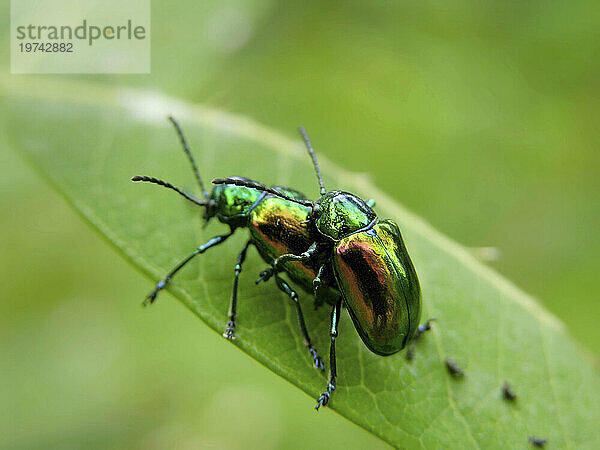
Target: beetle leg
317	360
317	285
371	202
410	352
335	320
304	256
165	281
264	275
278	262
230	330
317	280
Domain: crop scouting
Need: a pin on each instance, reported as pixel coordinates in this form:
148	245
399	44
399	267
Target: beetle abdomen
380	286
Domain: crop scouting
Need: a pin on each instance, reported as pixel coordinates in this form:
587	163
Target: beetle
335	248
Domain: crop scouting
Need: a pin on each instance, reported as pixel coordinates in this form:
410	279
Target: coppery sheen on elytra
380	287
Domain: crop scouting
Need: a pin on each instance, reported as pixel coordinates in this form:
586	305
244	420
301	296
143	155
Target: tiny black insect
410	352
508	393
537	442
454	369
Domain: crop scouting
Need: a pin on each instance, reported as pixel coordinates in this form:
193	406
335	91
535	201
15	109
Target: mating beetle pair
335	248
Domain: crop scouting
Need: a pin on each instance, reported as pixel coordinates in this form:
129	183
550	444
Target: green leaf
89	140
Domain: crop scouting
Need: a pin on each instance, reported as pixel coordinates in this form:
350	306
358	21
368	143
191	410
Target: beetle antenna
186	149
170	186
313	156
263	188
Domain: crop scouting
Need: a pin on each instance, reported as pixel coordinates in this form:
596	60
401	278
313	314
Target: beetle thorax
341	214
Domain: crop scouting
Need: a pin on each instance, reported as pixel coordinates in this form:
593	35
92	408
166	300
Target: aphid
508	393
454	369
335	248
537	442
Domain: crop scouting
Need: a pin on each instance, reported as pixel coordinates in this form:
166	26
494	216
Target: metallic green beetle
335	247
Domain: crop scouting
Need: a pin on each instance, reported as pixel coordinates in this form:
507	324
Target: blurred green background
479	116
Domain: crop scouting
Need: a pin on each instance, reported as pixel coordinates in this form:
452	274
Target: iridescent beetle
335	247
